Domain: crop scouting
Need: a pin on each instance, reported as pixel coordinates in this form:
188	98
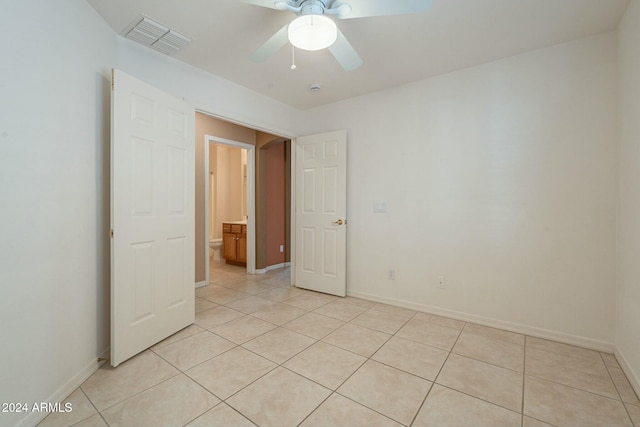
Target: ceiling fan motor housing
312	7
315	7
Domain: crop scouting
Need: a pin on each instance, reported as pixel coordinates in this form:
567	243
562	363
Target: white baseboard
276	266
201	284
501	324
273	267
632	376
63	392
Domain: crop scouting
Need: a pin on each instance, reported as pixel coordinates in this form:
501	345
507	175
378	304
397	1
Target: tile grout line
212	357
637	403
437	348
484	361
233	394
367	359
316	408
371	409
143	391
480	399
617	391
94	407
472	358
277	365
199	363
413	420
344	322
575	388
560	352
287	359
210	409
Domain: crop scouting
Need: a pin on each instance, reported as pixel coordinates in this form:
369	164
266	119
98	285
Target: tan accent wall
275	159
263	229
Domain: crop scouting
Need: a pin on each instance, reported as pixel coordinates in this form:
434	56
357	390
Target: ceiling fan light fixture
312	32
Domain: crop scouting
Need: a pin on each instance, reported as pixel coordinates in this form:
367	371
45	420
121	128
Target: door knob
338	222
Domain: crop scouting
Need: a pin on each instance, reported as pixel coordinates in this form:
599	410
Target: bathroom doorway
229	195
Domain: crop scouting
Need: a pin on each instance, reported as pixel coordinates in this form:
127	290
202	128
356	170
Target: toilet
216	247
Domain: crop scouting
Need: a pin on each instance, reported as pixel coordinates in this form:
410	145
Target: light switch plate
380	207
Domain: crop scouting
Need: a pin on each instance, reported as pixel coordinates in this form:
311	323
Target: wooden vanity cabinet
234	243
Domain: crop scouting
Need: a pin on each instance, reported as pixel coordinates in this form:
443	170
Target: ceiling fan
313	29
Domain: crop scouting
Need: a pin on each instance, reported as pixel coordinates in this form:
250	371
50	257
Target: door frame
248	123
250	201
292	233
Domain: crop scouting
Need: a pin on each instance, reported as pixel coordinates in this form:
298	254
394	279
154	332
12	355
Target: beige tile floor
263	353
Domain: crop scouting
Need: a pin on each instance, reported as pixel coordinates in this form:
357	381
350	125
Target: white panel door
152	216
321	209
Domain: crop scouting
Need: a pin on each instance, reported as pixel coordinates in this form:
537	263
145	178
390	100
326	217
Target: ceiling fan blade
264	3
275	4
345	54
364	8
271	46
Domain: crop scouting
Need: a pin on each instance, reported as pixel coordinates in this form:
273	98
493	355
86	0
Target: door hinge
113	79
111	233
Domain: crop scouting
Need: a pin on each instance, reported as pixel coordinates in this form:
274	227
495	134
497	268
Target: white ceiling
453	34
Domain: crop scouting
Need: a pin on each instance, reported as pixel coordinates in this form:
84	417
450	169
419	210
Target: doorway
260	228
242	171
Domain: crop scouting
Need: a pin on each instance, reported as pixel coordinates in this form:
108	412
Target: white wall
229	185
54	147
500	178
209	93
54	170
628	291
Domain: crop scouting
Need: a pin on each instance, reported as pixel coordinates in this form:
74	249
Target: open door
321	208
152	216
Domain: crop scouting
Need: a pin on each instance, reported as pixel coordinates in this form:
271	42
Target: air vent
152	34
171	42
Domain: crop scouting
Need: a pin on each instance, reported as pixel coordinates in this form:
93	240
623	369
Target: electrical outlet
281	248
440	282
392	274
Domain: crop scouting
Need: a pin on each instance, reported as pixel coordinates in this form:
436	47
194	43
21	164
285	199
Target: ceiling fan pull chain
293	57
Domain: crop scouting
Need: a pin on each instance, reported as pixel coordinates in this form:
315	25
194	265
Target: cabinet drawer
226	228
236	228
244	229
